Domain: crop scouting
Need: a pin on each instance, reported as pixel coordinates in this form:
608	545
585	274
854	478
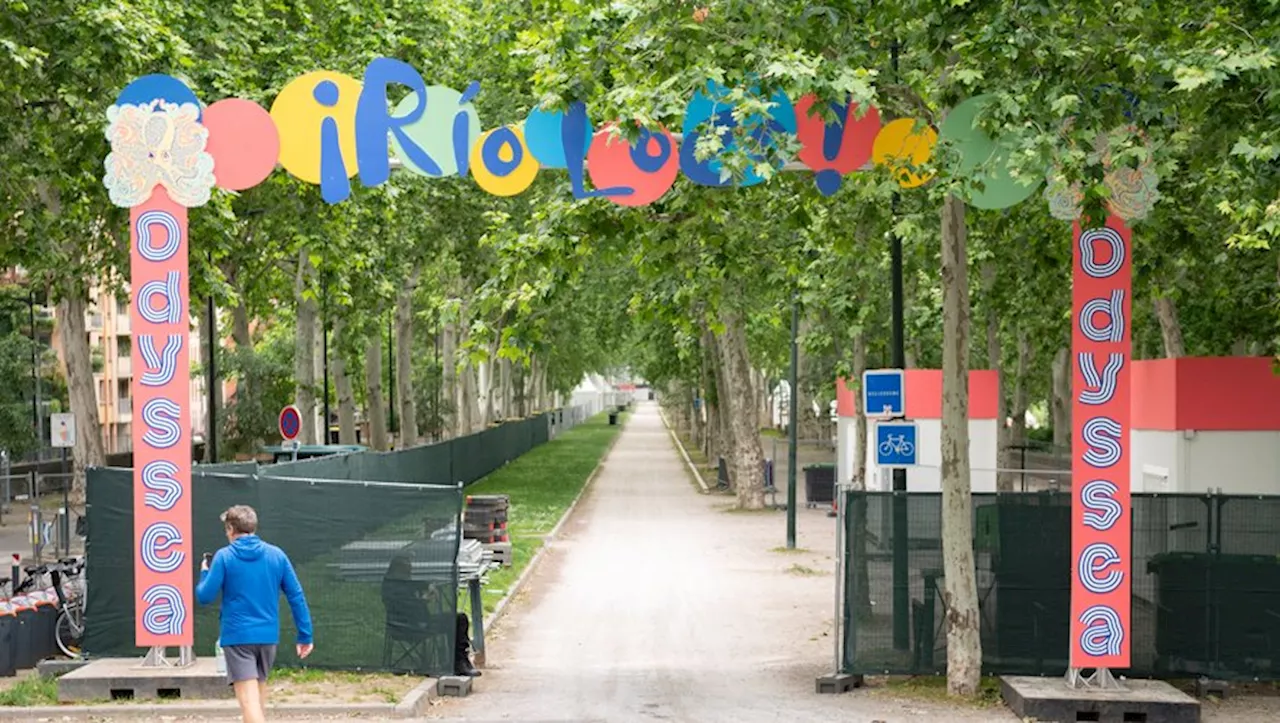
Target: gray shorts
249	662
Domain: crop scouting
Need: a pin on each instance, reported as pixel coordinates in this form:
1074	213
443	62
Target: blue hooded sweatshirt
250	574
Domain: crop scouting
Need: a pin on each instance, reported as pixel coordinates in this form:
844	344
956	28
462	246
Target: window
124	346
122	307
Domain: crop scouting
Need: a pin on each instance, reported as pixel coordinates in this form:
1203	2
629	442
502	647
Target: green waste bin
819	484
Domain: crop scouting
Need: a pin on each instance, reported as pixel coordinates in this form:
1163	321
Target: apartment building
111	344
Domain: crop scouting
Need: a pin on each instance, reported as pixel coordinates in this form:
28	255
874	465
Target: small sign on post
62	435
884	393
290	427
62	430
896	444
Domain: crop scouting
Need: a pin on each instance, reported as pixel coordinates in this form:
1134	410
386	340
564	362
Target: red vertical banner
161	422
1101	521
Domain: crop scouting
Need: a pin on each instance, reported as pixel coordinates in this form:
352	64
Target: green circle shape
983	158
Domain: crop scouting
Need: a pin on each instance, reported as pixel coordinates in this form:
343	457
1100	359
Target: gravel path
659	604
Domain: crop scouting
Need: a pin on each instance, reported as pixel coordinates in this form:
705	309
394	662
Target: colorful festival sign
1101	525
168	151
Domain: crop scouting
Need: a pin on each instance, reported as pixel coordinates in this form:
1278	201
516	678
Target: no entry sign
290	423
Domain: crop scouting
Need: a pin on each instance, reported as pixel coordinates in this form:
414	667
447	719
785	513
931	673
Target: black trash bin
819	484
26	652
46	641
613	419
8	641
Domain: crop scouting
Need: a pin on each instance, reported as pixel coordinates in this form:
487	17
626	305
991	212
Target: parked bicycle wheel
70	631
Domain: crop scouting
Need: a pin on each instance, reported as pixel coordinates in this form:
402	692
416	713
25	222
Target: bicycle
69	631
897	444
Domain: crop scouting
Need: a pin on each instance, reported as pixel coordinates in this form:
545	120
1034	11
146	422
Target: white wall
846	427
927	476
1236	462
1154	461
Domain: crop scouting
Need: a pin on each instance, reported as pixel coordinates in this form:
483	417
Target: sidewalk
659	603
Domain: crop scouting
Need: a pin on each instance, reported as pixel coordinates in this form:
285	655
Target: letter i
334	185
462	130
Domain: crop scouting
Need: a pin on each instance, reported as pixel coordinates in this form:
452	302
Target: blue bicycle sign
896	444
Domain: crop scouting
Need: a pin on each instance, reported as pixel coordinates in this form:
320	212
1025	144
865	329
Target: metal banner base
1101	679
156	658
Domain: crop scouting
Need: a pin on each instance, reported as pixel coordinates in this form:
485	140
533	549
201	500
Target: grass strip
541	485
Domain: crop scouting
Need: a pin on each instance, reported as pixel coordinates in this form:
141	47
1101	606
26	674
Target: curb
547	539
418	700
224	710
680	446
414	705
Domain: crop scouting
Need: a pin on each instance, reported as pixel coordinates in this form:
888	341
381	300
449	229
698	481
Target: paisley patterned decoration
1065	199
1134	191
158	144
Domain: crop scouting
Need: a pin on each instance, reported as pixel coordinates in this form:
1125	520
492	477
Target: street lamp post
792	432
211	436
35	374
901	571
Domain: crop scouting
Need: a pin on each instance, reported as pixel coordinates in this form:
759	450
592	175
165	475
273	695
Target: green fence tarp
341	520
1205	581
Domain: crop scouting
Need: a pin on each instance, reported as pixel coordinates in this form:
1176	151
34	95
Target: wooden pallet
501	552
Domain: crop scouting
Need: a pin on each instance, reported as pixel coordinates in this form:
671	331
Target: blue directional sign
896	444
884	393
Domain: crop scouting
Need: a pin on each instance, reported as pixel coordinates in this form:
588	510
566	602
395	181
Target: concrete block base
1206	687
1140	701
456	686
57	667
119	679
837	683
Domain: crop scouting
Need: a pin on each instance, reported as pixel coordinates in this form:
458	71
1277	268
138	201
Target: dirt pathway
658	604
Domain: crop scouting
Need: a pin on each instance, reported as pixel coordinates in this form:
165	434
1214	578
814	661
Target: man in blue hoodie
250	575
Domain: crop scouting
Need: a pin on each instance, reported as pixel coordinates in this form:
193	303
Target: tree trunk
206	361
1018	410
861	602
241	334
377	411
449	379
318	373
762	401
404	362
1170	329
469	396
342	384
721	443
964	644
304	350
88	450
806	423
1061	401
1004	480
746	460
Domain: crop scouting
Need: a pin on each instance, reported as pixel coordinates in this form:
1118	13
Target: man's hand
304	649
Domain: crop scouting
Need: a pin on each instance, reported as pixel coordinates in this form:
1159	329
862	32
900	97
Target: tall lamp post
901	571
792	432
35	374
324	348
211	437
